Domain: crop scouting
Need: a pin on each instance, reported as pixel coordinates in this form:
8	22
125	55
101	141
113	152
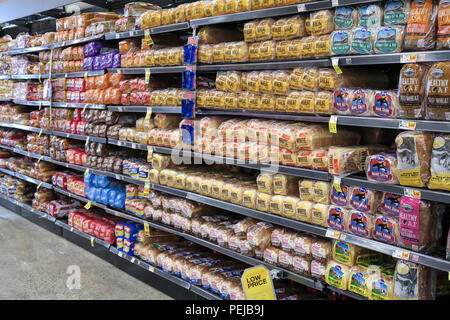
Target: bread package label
370	16
409	220
384	104
420	31
440	163
343	17
438	93
362	42
413	171
360	224
443	34
380	168
387	40
379	288
341	100
358	283
411	90
390	204
340	198
359	102
406	281
396	12
301	265
336	218
340	42
337	275
385	230
318	269
360	199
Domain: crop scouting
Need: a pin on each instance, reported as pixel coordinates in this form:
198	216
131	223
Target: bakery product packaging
360	224
345	17
440	160
396	12
386	229
337	275
389	39
412	282
411	92
337	218
382	167
413	158
443	33
437	99
422	24
370	16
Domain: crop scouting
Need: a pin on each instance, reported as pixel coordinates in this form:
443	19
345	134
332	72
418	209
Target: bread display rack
189	28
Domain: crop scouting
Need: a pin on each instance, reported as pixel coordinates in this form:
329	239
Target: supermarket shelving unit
153	275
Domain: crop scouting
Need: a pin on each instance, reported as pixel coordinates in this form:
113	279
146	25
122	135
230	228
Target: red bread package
134	85
125	99
125	86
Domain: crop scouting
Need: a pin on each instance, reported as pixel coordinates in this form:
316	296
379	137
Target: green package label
394	12
362	41
343	17
340	43
386	40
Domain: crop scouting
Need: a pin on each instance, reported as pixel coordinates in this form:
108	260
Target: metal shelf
82	234
263	13
23	127
262	114
29	76
51	46
388	123
153	70
5	99
4	76
26	178
78	105
339	3
77	136
139	146
426	194
79	74
156	109
154	30
389	58
269	65
32	103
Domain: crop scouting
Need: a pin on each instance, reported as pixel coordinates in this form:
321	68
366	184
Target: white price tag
400	254
335	64
343	237
117	36
71	229
408	58
120	254
301	7
412	193
407	125
133	259
333	234
120	109
151	269
134	145
335	3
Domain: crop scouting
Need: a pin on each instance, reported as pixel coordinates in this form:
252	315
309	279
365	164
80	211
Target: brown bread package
214	35
411	91
438	94
413	158
422	25
413	281
443	34
419	224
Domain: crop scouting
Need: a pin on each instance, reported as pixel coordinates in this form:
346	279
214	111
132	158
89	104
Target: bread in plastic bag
421	28
389	39
337	275
382	168
437	100
380	286
341	42
411	91
345	18
412	282
342	101
440	159
396	12
362	40
294	27
321	191
263	29
345	160
370	16
319	214
443	34
337	218
413	158
364	200
321	22
321	249
358	280
386	229
360	224
323	102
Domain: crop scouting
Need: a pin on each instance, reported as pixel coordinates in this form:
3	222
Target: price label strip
335	64
147	75
407	125
408	58
332	124
333	234
147	229
148	38
401	254
150	154
412	193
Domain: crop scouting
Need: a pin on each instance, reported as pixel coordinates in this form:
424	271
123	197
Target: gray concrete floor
34	264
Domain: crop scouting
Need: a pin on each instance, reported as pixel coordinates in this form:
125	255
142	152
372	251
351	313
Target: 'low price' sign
257	284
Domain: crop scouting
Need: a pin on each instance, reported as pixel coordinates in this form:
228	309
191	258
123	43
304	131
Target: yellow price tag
147	229
88	205
332	124
332	234
86	75
412	193
148	115
87	141
39	185
86	173
147	75
337	184
148	38
84	108
407	125
40	132
40	79
92	241
150	154
257	284
335	63
40	105
146	189
39	160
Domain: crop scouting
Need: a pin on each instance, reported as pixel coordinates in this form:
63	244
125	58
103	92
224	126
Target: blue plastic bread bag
119	201
98	194
94	180
130	230
104	196
103	182
88	178
112	192
91	193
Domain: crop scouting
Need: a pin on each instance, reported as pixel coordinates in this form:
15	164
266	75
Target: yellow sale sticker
147	229
148	38
335	63
150	154
332	124
147	75
148	115
92	241
257	284
88	205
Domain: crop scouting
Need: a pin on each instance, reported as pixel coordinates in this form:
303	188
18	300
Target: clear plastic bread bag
341	42
396	12
362	101
321	22
382	168
440	158
345	18
362	40
421	28
443	34
370	16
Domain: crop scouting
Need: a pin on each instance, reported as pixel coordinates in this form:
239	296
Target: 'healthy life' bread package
438	94
411	91
421	28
